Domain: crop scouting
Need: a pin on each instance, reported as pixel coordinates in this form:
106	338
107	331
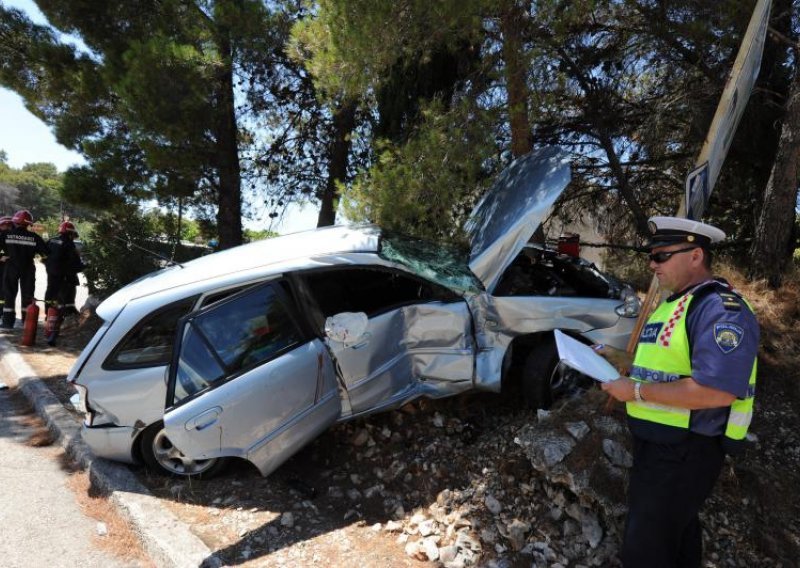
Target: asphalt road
40	522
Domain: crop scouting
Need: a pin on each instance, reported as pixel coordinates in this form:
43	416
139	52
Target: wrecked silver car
279	339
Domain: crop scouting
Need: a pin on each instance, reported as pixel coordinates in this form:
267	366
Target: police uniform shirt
723	338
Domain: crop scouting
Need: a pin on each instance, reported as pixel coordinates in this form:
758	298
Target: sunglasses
661	257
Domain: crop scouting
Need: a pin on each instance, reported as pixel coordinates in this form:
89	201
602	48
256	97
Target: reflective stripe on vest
663	355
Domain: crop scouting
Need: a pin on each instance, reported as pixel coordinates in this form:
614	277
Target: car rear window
149	343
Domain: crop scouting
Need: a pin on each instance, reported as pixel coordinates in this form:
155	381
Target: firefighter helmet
67	227
22	217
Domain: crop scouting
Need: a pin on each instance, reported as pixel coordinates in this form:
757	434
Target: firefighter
5	226
63	264
20	245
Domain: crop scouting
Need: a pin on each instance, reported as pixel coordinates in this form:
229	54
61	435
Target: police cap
667	231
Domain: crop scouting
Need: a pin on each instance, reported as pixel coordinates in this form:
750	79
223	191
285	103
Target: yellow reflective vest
663	355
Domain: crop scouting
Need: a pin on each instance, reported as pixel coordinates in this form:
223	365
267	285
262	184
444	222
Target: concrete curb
167	540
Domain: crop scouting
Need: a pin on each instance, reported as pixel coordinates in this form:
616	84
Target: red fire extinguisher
31	324
52	325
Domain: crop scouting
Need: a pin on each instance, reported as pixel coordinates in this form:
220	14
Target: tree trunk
639	217
344	121
512	22
772	246
229	212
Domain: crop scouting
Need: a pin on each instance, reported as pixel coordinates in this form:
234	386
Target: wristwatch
637	392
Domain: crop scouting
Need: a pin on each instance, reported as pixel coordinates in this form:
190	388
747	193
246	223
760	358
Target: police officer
63	264
20	245
689	396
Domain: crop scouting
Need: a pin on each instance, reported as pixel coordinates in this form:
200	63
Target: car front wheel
544	380
161	456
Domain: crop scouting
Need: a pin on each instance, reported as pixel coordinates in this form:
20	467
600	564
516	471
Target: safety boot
8	320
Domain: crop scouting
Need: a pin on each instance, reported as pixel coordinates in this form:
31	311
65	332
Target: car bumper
110	442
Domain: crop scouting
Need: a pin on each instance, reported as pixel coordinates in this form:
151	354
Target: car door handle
204	420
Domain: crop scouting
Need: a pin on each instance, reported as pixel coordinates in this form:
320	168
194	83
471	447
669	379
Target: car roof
267	252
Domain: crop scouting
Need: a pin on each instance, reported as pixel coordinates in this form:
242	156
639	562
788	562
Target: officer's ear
698	256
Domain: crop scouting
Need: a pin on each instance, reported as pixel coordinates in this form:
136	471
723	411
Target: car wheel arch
528	367
142	445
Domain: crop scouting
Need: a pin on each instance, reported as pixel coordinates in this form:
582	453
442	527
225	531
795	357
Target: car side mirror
346	327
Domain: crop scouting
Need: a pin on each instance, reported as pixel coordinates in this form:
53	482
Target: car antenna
169	261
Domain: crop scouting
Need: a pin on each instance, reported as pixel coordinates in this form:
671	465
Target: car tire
160	456
544	380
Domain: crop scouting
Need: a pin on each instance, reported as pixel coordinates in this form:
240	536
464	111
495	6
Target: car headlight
631	306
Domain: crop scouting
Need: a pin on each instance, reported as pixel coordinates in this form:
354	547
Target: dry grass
120	540
778	313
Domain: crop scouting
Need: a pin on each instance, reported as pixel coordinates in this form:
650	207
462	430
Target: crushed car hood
512	209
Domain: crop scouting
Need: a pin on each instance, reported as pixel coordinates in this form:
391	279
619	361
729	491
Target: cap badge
690	238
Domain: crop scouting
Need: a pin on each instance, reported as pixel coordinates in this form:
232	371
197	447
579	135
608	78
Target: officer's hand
621	389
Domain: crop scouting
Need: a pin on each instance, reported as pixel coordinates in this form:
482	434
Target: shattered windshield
441	263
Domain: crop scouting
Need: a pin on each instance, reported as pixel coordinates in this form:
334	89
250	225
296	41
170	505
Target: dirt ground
356	496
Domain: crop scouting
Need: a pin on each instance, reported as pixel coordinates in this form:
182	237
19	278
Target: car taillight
630	307
78	400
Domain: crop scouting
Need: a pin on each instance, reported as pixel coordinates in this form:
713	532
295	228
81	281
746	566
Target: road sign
734	98
697	192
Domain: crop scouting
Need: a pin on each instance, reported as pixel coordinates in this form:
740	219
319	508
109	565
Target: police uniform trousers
668	485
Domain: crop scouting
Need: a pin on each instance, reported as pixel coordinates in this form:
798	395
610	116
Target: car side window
371	291
238	334
149	343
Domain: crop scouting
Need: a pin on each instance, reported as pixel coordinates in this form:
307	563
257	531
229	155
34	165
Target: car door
249	380
418	338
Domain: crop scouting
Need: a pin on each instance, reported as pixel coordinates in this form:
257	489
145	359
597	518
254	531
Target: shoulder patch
730	302
727	336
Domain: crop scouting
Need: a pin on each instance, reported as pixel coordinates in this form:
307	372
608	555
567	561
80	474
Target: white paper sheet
584	359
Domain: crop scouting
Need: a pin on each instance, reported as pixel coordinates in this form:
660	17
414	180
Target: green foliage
112	259
50	226
127	244
438	94
425	188
340	41
631	267
251	235
34	187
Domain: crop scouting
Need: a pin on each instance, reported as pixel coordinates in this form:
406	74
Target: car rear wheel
161	456
544	380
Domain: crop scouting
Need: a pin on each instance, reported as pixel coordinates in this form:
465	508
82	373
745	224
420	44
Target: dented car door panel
441	346
405	352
